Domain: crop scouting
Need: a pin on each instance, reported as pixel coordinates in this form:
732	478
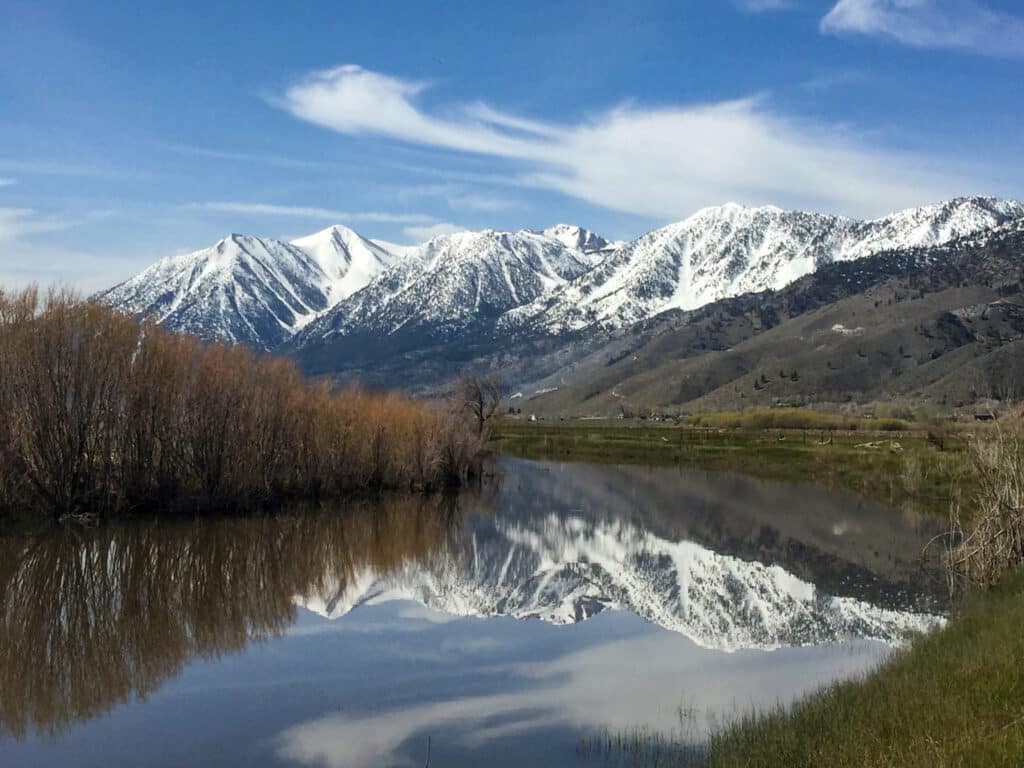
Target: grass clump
954	698
101	414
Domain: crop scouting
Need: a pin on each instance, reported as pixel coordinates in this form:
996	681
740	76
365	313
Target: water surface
558	602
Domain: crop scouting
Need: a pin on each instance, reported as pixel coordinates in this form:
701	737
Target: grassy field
954	698
895	467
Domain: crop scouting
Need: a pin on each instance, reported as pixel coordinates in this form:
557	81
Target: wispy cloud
7	182
308	212
421	234
656	162
963	25
762	6
56	168
244	157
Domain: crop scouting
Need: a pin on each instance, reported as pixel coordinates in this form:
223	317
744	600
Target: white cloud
963	25
308	212
761	6
421	234
7	182
658	162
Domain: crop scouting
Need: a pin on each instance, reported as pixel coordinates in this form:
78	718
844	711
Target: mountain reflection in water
96	618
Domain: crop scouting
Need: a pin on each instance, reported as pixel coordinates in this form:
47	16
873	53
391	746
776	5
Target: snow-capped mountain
731	249
348	260
566	569
453	281
578	239
252	290
314	291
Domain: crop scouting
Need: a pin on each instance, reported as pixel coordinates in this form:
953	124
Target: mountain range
532	304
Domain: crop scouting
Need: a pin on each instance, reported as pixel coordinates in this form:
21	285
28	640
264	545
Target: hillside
732	307
941	324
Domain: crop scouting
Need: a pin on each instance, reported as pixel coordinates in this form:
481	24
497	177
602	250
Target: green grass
794	418
954	698
895	468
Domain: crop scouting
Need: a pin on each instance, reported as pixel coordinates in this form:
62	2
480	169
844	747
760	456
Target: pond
526	622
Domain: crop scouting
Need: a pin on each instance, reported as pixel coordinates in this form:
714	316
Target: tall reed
102	414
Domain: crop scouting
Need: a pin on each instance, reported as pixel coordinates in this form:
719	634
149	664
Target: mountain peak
574	236
335	230
252	290
451	282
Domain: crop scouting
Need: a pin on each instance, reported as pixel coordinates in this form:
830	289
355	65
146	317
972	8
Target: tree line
103	414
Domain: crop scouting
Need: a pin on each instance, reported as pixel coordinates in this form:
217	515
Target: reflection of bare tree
90	618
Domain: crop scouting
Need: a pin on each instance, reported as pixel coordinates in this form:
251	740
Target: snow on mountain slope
336	283
454	280
348	260
257	291
242	289
566	569
577	238
729	250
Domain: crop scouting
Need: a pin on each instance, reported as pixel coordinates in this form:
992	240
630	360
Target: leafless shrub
99	413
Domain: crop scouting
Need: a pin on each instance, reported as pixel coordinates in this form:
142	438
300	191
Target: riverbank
955	697
897	467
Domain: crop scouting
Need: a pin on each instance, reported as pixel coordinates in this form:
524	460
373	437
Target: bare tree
480	395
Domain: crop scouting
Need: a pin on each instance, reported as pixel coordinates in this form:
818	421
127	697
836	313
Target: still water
508	626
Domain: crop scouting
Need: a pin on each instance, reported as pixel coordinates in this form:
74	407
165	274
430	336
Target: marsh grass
953	698
646	747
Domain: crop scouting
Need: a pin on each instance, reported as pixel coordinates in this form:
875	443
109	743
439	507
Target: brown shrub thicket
989	534
102	414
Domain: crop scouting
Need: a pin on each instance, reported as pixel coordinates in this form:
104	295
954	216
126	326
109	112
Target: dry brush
101	414
989	535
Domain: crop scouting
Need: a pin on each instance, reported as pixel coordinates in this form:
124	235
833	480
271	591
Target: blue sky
131	131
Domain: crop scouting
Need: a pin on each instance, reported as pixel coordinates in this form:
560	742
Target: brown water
505	625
